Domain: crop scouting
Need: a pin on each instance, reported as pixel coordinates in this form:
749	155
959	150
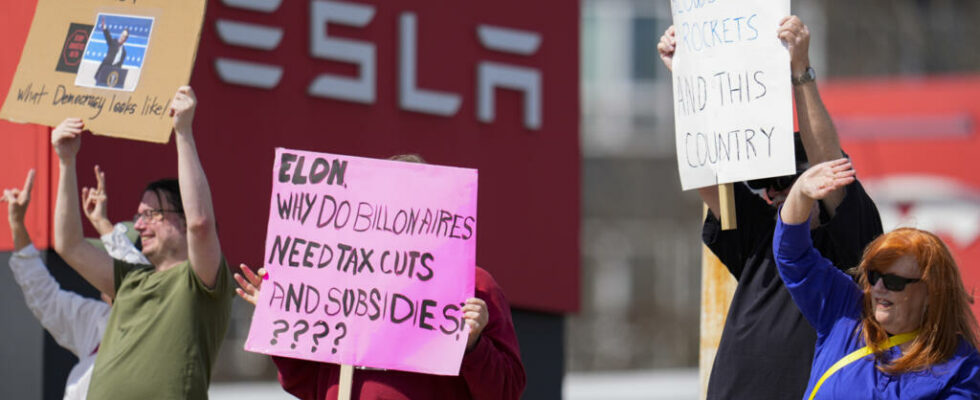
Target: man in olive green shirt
169	318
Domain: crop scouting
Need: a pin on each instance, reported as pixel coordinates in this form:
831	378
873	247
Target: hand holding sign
796	35
476	316
250	284
182	109
67	138
666	47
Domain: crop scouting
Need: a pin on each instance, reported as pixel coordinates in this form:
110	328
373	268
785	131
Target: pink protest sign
369	262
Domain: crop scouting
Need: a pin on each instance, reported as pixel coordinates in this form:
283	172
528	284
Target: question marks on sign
306	327
276	332
317	336
336	342
302	326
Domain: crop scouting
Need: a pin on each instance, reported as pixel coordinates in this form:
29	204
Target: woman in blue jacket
903	330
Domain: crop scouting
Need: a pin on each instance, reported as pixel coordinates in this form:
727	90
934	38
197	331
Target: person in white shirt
75	322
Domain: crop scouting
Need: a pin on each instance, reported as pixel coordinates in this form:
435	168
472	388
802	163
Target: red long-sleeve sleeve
493	368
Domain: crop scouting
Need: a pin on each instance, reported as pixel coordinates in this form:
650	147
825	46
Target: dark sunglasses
778	183
893	283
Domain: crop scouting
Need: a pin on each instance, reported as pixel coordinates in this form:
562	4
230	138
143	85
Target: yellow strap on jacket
857	355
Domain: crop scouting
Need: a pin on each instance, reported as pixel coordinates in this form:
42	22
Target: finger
788	37
838	162
85	195
247	287
841	182
29	181
99	179
247	297
784	19
254	279
262	273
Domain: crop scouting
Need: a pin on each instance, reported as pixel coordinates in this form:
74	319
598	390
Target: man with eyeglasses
767	346
169	318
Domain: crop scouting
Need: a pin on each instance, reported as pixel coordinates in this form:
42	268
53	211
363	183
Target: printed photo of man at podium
114	59
110	72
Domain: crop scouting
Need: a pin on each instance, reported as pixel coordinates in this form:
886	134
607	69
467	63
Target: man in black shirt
767	346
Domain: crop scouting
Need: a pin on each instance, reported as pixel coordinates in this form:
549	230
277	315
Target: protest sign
732	91
114	64
369	263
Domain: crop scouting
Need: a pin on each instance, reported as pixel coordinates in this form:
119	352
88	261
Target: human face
123	36
162	237
903	311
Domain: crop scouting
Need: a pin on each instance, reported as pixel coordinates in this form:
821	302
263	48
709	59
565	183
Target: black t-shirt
767	346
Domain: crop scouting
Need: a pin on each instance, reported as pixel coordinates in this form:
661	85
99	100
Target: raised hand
476	316
250	284
182	109
822	179
94	204
18	199
796	35
67	138
666	47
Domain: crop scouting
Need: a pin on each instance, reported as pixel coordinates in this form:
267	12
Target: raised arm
203	248
17	201
105	32
93	264
822	292
815	184
75	322
816	128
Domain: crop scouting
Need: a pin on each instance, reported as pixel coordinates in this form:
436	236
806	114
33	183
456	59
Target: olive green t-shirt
163	334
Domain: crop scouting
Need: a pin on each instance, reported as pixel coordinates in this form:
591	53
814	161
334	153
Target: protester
169	318
75	322
909	310
491	368
766	347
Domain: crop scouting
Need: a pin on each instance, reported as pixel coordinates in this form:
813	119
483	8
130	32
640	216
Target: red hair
947	317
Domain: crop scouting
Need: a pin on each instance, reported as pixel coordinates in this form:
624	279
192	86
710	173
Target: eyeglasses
151	215
893	283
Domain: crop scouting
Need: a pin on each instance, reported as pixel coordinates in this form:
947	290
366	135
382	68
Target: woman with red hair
903	330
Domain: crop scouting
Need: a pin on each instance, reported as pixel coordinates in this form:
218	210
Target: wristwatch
808	76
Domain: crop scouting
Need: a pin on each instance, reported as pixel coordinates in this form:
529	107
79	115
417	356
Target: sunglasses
893	283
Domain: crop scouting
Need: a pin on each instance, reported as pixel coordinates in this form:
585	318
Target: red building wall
529	177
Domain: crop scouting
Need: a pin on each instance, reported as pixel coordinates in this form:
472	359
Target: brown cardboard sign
115	64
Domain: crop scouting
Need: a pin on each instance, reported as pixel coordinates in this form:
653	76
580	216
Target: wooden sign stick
346	381
726	200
